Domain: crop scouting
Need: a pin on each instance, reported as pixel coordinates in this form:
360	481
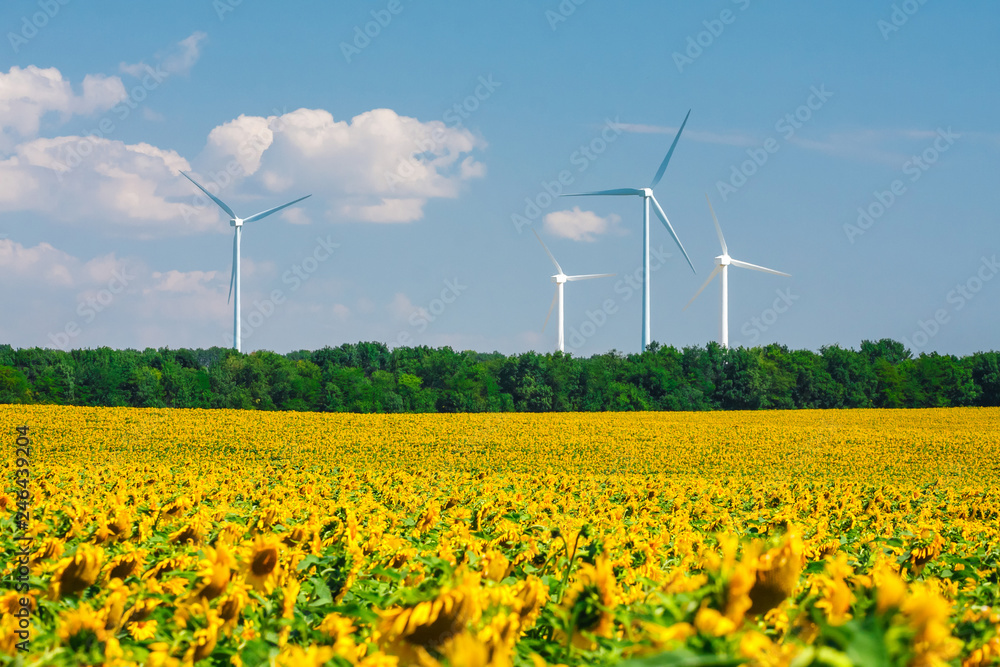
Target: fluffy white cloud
45	266
28	95
131	190
579	225
377	167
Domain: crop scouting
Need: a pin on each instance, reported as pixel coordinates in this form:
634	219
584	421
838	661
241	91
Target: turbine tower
560	279
722	264
237	223
647	198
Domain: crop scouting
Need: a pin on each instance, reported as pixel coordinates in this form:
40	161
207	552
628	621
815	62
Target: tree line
370	377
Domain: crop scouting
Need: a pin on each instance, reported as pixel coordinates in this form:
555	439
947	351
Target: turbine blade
588	276
232	276
718	229
666	223
264	214
554	297
558	268
702	288
619	191
748	265
663	165
218	201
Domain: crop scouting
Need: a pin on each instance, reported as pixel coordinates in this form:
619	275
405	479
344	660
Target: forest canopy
370	377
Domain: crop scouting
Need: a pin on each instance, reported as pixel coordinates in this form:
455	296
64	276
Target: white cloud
401	308
579	225
48	266
129	190
183	281
178	59
28	95
378	167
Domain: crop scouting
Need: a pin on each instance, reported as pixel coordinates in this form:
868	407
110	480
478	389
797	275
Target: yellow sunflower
77	572
590	603
261	570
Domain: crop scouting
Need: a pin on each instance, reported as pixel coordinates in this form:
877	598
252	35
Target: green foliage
369	377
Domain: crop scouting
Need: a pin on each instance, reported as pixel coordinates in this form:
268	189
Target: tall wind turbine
722	263
561	279
237	223
647	197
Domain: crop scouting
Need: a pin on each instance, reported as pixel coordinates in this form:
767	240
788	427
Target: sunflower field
188	537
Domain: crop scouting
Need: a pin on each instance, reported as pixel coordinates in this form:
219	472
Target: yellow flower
314	656
837	597
262	569
215	571
890	587
590	603
777	574
142	630
429	624
125	564
78	572
712	623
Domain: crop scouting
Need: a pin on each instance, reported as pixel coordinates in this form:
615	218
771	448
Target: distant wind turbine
722	263
647	197
237	223
561	279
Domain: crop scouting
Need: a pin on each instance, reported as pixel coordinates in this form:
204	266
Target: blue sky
430	145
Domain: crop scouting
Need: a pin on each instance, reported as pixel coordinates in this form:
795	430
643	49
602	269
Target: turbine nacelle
560	278
236	222
723	260
647	192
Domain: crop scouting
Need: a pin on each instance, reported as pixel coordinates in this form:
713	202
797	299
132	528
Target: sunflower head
777	574
215	570
125	565
429	624
591	601
82	628
261	568
77	572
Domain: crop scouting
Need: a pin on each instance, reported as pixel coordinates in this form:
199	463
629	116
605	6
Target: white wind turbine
722	263
560	279
647	197
237	223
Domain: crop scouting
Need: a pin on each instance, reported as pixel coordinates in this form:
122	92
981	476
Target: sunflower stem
569	566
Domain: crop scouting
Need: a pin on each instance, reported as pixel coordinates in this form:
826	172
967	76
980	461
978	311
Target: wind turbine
722	263
237	223
560	279
647	197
